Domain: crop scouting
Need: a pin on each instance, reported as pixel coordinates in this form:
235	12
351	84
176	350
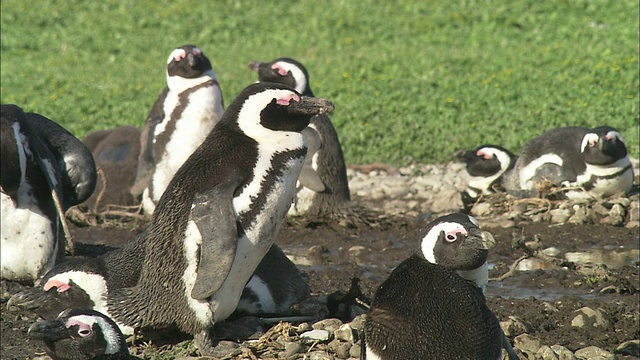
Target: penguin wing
309	178
214	216
146	162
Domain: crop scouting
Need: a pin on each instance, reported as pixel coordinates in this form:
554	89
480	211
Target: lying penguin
183	115
115	152
486	165
45	170
593	159
323	184
220	214
81	334
443	315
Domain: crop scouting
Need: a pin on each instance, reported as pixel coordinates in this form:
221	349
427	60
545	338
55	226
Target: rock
317	335
616	216
549	308
589	316
563	352
331	324
340	348
481	209
579	215
527	344
358	323
631	348
318	355
560	216
514	326
355	351
551	251
311	307
292	348
593	353
345	333
546	353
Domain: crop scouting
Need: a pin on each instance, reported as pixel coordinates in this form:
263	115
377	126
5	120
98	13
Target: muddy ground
545	300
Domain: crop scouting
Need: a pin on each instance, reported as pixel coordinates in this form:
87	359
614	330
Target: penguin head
603	145
456	242
79	334
486	160
262	109
187	61
284	71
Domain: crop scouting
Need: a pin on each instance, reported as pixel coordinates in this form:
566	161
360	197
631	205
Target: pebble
345	333
563	352
589	316
317	335
594	353
631	348
527	344
514	326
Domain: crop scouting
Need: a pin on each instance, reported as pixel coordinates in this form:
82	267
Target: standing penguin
323	184
45	170
220	214
182	117
116	153
81	334
443	316
594	159
486	165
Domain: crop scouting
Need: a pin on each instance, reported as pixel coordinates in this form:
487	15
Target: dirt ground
545	300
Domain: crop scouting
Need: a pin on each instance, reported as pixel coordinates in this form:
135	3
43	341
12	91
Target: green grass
411	80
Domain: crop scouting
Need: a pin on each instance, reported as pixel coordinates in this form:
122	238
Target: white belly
29	243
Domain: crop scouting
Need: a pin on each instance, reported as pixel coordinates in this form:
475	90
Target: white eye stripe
296	72
177	53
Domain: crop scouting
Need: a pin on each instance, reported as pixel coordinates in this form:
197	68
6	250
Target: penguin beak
480	240
310	106
48	331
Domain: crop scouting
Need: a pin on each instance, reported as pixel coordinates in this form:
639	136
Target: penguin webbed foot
208	345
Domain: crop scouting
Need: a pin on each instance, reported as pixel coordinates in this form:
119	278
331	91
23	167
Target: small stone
546	353
594	353
563	352
481	209
579	216
593	317
331	324
292	348
514	326
341	349
537	218
318	355
559	216
355	351
631	348
527	343
549	308
551	251
345	333
315	336
358	323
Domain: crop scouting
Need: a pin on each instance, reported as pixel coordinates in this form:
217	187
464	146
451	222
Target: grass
412	81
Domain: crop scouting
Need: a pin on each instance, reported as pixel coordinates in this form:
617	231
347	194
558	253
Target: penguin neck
179	84
478	276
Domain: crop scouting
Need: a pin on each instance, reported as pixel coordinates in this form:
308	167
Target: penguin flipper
214	216
146	162
309	178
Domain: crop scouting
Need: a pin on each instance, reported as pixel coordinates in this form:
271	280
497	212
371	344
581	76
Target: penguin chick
594	159
425	310
81	334
116	153
41	162
183	115
323	184
485	166
220	214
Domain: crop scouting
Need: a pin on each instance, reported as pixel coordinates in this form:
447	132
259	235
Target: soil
545	300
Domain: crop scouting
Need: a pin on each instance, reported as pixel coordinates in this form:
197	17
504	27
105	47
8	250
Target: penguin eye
451	237
84	331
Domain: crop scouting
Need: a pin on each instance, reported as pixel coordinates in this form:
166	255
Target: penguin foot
217	349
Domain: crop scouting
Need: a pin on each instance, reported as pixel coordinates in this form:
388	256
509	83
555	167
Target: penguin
45	170
220	214
594	159
485	166
425	310
183	115
81	334
323	186
116	153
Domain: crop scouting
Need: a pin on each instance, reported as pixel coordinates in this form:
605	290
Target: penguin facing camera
183	115
220	214
45	170
443	315
485	166
81	334
595	160
323	184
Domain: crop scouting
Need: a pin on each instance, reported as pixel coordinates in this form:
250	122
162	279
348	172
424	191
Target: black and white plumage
81	334
425	310
323	184
181	118
220	214
116	153
594	159
41	163
485	166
